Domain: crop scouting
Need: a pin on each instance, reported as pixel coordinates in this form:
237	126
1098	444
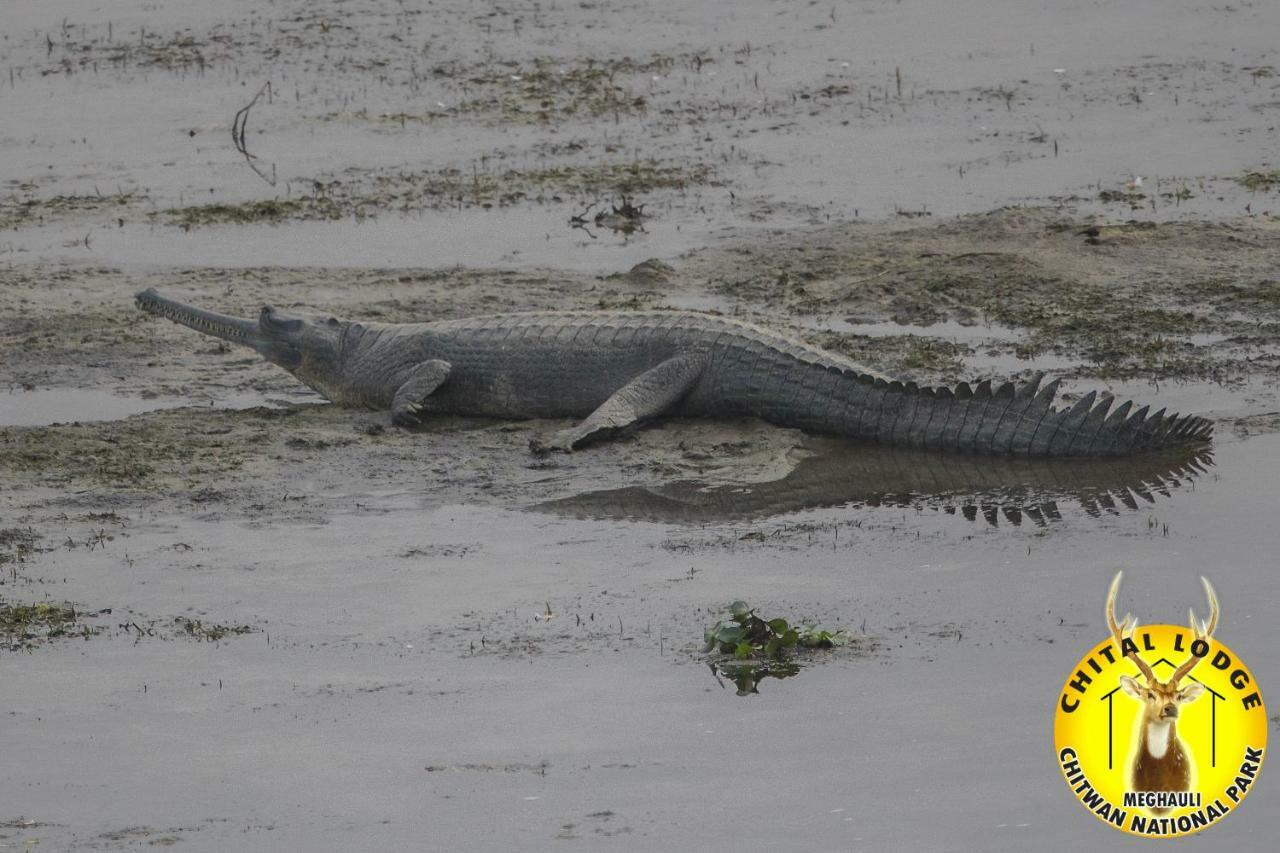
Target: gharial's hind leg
409	397
648	395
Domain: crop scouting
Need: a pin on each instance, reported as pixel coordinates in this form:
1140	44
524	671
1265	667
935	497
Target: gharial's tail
1021	420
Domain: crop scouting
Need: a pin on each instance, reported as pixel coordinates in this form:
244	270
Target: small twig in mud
581	218
242	119
625	218
579	221
628	210
238	125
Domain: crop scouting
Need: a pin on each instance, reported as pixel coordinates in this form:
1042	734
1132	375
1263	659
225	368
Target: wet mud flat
234	615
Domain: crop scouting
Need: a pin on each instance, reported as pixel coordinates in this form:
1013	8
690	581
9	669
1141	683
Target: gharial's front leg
646	396
410	397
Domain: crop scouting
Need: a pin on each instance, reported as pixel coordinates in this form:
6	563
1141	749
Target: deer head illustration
1161	761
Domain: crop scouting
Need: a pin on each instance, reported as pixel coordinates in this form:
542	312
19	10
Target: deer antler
1202	630
1124	629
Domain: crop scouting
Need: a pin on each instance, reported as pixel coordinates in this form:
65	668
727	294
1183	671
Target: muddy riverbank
281	575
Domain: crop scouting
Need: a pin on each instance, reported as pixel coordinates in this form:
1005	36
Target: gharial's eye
333	321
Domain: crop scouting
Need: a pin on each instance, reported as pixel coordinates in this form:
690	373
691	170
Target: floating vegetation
82	48
17	544
367	193
751	648
251	212
179	627
25	626
543	90
23	210
1259	180
170	53
209	632
626	218
548	90
745	635
1125	196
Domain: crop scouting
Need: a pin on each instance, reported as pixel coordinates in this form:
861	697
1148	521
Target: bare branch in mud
582	226
624	219
242	119
238	125
581	218
579	221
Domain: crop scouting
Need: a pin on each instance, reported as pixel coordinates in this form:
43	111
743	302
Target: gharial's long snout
221	326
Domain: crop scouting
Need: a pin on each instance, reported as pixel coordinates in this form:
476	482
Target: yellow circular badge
1160	730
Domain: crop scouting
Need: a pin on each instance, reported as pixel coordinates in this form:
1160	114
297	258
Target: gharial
616	368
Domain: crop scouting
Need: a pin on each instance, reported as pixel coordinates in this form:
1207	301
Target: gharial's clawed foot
410	399
407	417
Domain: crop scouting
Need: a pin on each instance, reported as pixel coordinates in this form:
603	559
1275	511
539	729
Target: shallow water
405	665
804	114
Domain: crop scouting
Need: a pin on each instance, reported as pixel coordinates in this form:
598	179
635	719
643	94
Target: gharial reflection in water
843	474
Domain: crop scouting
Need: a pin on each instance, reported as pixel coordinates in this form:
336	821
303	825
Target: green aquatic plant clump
24	626
1260	179
17	544
746	635
209	632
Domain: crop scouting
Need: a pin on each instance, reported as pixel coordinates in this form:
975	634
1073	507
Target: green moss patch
25	626
1267	179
